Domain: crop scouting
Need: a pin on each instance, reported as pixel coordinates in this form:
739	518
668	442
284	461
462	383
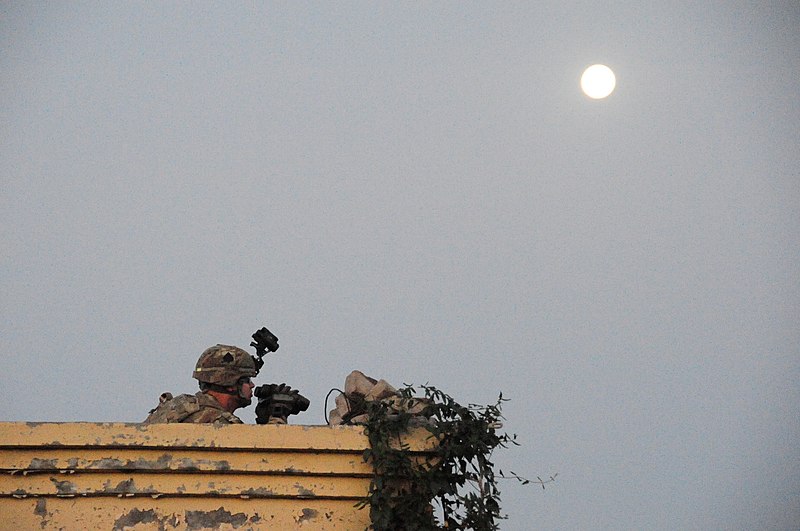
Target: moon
598	81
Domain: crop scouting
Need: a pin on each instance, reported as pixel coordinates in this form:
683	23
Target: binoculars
278	401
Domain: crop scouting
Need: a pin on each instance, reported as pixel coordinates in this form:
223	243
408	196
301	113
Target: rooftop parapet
184	476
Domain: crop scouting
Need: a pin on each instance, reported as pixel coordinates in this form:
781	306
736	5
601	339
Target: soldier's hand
284	389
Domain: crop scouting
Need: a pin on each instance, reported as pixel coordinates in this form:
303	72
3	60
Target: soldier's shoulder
174	409
200	408
210	411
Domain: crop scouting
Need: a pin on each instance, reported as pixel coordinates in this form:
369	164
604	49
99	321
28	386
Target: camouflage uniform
222	366
200	408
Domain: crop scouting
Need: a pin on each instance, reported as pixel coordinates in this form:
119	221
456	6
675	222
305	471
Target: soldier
224	373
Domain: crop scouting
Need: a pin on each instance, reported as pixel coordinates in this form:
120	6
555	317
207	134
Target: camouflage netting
360	389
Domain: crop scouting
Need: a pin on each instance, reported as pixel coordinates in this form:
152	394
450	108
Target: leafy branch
453	486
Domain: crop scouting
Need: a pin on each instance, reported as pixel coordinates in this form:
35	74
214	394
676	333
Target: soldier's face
246	386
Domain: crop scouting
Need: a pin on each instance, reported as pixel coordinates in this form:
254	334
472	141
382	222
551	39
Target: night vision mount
264	341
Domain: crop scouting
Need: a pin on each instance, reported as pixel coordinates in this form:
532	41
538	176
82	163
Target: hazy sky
420	191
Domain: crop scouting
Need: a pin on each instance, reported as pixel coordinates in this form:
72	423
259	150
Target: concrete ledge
184	476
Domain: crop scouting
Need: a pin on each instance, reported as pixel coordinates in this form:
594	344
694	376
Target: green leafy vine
453	486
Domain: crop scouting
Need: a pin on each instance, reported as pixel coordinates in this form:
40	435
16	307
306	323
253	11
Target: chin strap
221	389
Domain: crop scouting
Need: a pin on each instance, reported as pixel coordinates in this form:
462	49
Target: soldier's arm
212	416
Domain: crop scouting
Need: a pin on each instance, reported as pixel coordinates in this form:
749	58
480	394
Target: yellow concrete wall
183	476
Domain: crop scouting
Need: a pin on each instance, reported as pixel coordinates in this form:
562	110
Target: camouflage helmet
224	365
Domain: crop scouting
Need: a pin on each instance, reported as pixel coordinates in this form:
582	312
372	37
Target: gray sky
420	191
